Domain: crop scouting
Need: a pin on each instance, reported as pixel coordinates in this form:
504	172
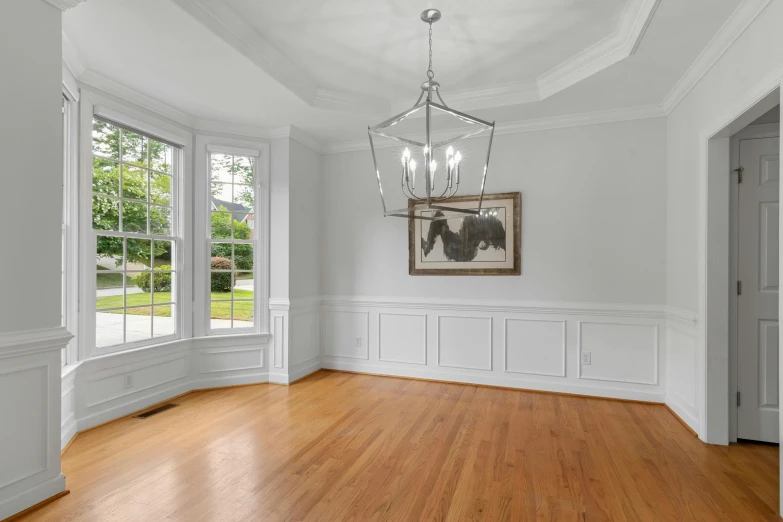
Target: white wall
593	220
593	258
751	59
304	208
32	169
30	333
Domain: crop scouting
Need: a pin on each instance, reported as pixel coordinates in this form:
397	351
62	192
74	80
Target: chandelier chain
430	74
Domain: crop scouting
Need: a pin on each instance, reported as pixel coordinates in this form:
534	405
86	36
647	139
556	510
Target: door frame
764	130
713	253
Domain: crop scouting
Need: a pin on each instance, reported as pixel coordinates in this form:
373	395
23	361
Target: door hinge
739	287
738	398
739	172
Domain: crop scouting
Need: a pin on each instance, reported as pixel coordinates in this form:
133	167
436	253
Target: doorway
755	195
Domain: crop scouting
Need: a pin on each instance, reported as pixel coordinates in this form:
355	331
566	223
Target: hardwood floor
340	446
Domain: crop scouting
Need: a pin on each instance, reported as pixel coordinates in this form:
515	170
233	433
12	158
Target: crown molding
621	44
223	21
539	124
64	5
227	24
732	29
295	133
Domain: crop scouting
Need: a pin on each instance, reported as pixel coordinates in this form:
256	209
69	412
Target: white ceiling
331	67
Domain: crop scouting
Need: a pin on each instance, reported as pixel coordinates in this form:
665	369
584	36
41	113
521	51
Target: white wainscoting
346	334
402	338
30	402
526	345
683	367
535	347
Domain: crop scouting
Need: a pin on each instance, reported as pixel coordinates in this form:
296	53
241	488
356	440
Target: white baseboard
233	380
496	380
133	405
68	432
304	369
32	496
683	411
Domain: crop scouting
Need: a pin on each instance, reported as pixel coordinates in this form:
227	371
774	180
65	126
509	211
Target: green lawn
221	309
112	280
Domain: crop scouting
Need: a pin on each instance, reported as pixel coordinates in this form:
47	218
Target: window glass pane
220	285
138	324
244	198
221	167
162	287
241	228
243	285
109	253
243	170
105	140
221	196
134	148
138	290
109	290
134	183
220	314
139	253
164	251
160	220
222	250
160	156
134	217
243	314
221	225
243	256
164	321
105	213
105	177
160	188
108	328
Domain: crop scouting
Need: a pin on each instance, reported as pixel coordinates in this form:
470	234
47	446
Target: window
64	228
134	220
233	242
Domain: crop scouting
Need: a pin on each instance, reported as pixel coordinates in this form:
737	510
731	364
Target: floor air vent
155	411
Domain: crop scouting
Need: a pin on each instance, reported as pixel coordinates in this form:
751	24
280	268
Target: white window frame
205	146
70	288
93	105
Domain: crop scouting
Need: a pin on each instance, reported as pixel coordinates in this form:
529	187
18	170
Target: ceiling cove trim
227	24
64	5
729	32
621	44
223	21
295	133
539	124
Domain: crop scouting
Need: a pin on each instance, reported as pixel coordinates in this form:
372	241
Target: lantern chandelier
431	185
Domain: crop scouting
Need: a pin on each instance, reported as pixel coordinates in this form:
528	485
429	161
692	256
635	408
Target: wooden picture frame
452	256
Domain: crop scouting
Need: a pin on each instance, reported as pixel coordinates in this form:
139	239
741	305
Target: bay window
134	221
233	242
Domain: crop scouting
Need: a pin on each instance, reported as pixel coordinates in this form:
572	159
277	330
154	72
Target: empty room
390	260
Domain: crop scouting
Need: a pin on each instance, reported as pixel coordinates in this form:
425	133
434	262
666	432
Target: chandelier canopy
430	185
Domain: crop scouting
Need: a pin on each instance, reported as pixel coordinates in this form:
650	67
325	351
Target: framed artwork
487	244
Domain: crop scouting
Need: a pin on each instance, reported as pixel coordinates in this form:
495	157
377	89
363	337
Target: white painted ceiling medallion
64	5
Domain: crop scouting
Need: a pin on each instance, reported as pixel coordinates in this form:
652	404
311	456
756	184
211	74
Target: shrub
221	281
162	281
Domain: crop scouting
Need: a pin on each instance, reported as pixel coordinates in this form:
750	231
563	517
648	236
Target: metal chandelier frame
430	201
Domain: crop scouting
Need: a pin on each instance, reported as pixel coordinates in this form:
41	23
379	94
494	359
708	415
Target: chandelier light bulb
451	163
457	158
413	166
433	166
449	152
406	153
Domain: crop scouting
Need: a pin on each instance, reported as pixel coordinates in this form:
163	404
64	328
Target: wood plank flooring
347	447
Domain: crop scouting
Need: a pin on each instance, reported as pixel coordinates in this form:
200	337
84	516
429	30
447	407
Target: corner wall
31	335
754	56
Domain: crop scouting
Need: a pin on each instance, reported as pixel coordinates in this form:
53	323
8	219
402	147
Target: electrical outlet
129	381
358	342
586	358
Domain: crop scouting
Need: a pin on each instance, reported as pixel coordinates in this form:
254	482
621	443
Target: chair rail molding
33	341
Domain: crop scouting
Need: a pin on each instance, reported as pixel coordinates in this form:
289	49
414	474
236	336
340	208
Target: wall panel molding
395	334
614	346
462	339
560	370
